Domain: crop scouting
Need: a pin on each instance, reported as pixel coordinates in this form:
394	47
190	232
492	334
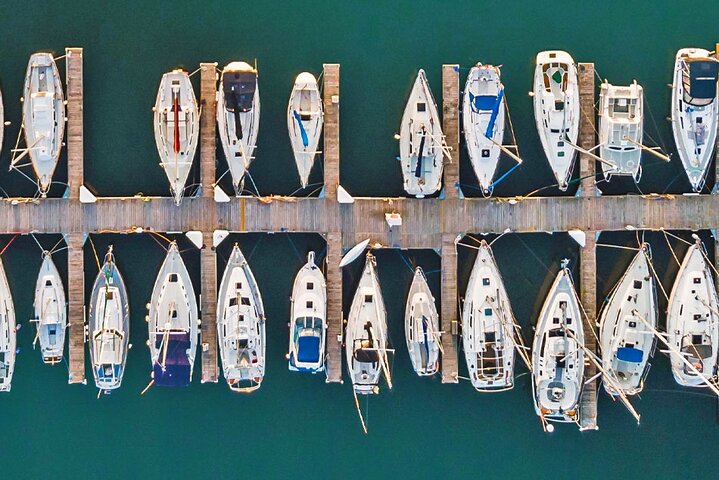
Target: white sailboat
43	116
421	151
109	326
421	326
50	311
557	356
177	127
626	343
366	334
556	111
488	326
695	111
693	319
238	118
173	323
241	326
2	120
8	333
304	123
483	112
308	319
621	129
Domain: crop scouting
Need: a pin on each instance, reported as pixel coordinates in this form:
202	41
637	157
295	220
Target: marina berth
108	326
556	111
421	326
308	319
241	326
43	117
304	123
621	129
176	123
421	142
8	333
238	118
50	312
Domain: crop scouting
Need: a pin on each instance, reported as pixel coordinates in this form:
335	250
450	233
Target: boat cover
629	354
177	365
484	102
239	89
308	349
703	79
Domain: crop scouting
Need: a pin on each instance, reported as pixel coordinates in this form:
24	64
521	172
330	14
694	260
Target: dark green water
296	426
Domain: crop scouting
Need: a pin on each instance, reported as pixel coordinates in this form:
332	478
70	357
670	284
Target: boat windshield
699	78
239	89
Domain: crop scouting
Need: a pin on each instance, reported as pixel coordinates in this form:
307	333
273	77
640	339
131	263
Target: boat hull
308	319
421	327
621	129
50	311
8	334
304	123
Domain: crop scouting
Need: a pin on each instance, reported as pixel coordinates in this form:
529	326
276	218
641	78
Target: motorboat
308	319
50	311
621	129
421	326
8	333
304	123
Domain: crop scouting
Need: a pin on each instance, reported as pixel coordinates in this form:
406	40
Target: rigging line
656	278
94	252
37	242
247	172
709	262
622	247
667	232
152	232
511	126
299	257
673	180
200	68
255	248
404	260
671	249
656	127
302	188
157	242
52	250
519	237
8	244
315	190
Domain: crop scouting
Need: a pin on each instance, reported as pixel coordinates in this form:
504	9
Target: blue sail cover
482	102
303	132
495	111
177	365
308	349
703	79
629	354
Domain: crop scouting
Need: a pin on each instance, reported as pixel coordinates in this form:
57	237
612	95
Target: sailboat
483	112
8	333
2	120
421	149
556	111
693	319
50	311
173	323
109	325
621	128
366	333
177	129
43	116
488	326
304	123
557	354
308	319
626	343
241	326
695	111
238	118
421	326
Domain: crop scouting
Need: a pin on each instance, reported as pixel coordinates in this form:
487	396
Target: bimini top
239	88
700	80
629	354
176	372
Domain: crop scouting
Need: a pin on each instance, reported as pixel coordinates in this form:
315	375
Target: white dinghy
483	112
695	111
556	111
241	326
626	343
366	334
488	326
621	129
304	123
177	128
43	117
693	319
421	326
8	333
308	319
109	326
557	354
50	311
173	323
421	142
238	118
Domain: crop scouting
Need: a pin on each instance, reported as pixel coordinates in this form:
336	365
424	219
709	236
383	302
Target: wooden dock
76	307
74	131
450	128
588	253
335	317
208	128
208	306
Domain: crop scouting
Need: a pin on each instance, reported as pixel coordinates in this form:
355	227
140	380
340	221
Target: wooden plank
334	308
449	310
331	100
208	144
588	297
208	305
76	307
75	138
587	129
450	128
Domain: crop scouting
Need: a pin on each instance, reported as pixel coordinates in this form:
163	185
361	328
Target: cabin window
310	286
487	312
48	283
309	304
696	339
632	324
697	316
562	305
242	318
238	286
569	321
485	281
554	130
555	320
421	107
243	343
485	153
174	314
637	284
173	278
368	299
697	280
699	119
233	301
110	295
560	154
245	300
